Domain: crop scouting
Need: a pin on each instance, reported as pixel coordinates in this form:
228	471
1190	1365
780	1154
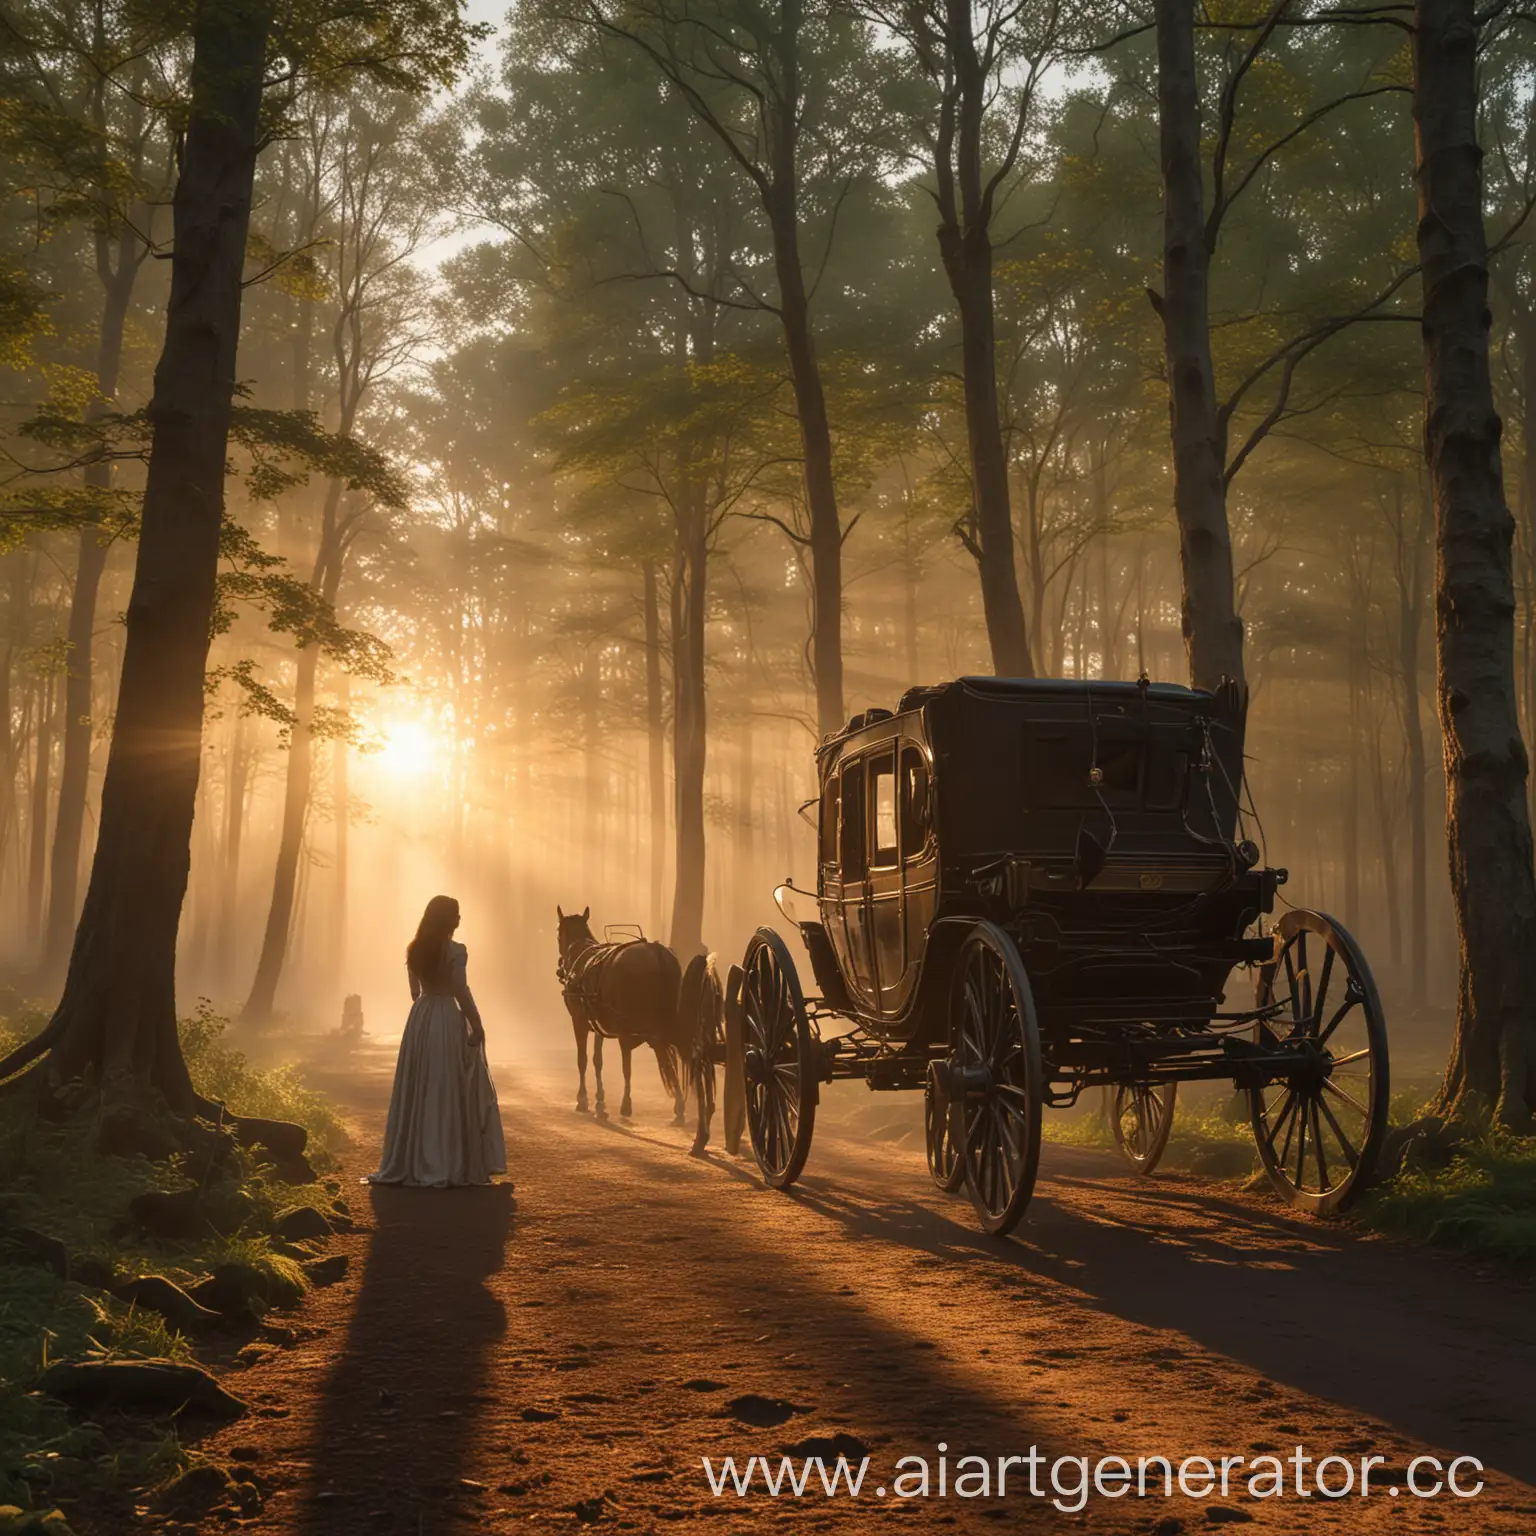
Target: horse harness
581	983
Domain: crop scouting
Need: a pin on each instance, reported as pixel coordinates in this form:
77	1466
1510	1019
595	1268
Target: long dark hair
427	953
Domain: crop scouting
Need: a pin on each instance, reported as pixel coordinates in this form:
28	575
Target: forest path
493	1362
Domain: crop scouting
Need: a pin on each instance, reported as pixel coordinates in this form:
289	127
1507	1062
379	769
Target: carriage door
831	870
853	859
919	855
885	924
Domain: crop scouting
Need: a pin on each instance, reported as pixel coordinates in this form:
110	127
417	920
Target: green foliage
221	1072
1210	1138
55	1182
293	607
1482	1202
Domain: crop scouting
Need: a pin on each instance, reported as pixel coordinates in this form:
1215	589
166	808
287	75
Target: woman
444	1123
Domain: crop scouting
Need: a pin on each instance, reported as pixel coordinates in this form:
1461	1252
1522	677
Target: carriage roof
1019	763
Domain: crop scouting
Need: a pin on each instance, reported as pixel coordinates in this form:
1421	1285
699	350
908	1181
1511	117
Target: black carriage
1026	889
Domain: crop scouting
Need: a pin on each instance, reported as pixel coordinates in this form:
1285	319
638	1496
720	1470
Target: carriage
1031	888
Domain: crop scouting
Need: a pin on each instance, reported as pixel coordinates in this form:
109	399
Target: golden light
409	749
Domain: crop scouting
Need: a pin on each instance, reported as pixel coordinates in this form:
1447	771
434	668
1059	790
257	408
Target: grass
53	1181
1482	1202
1479	1200
1211	1135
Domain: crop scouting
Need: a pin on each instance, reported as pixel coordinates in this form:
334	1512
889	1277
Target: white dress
444	1124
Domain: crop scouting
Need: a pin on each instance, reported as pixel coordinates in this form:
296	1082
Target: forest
475	454
489	457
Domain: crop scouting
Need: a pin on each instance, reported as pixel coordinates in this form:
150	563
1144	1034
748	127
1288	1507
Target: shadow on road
1413	1340
413	1370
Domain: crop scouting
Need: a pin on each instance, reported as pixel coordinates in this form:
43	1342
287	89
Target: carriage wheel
995	1077
1319	1130
1141	1116
779	1061
703	1019
944	1161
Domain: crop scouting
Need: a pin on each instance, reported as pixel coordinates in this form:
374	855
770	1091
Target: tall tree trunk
1359	663
236	778
965	245
745	887
341	807
42	784
656	767
296	786
782	201
820	489
117	1017
1493	1055
1410	627
91	562
689	592
1213	633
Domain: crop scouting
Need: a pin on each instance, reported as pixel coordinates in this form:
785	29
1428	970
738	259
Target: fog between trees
692	374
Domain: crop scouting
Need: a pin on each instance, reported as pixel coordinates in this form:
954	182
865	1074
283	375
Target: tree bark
1213	633
91	562
1487	822
117	1017
296	786
42	779
782	201
656	767
236	778
1359	663
341	809
965	245
689	593
1410	627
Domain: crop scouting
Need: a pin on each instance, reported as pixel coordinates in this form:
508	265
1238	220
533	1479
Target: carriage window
914	803
851	827
883	799
829	822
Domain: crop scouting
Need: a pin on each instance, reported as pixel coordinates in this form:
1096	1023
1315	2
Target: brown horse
627	992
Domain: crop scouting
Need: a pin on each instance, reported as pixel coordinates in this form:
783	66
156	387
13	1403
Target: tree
380	215
104	71
786	89
116	1021
1493	1056
983	66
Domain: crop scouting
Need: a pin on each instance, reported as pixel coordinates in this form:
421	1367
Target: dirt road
569	1355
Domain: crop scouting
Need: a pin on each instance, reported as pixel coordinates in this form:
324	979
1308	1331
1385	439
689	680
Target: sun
409	749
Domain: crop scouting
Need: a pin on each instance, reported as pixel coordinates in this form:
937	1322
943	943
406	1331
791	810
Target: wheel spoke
1350	1154
1301	1148
1279	1121
1316	1011
1317	1149
1363	1054
1329	1086
1304	977
1333	1023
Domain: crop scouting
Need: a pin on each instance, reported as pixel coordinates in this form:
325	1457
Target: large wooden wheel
702	1015
1141	1116
778	1060
1319	1129
995	1077
944	1162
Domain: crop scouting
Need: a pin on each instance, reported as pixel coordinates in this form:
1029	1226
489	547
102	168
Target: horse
635	991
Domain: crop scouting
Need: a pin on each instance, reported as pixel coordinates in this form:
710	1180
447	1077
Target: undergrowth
53	1181
1210	1137
1478	1199
1482	1202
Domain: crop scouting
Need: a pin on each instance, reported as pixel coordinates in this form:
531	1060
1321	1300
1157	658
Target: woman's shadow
399	1411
